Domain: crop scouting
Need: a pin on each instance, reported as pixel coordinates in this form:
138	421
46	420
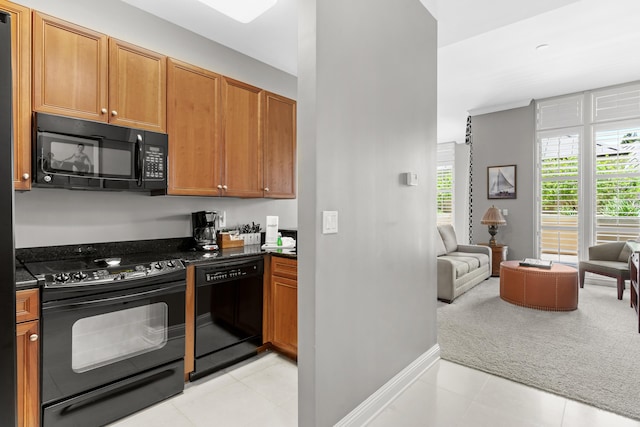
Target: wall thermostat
411	178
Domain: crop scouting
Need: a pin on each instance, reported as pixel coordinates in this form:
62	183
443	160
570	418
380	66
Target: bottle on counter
279	242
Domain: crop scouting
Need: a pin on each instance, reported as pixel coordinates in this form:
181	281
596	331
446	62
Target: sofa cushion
482	259
611	268
627	250
448	237
462	264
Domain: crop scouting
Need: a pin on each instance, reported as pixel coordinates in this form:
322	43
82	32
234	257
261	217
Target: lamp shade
493	217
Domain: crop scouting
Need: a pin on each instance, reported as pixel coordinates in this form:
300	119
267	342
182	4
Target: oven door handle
161	290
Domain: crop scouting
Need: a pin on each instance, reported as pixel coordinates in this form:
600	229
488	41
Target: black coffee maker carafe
204	229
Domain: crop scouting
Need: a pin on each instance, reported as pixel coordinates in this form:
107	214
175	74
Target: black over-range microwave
82	154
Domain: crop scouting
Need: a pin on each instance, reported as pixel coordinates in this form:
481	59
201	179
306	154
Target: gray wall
506	138
367	113
60	217
53	217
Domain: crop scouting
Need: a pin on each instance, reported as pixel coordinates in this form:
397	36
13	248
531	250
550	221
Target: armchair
609	259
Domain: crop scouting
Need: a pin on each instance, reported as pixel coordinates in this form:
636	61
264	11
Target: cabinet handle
114	113
103	111
33	337
25	176
219	187
266	189
224	186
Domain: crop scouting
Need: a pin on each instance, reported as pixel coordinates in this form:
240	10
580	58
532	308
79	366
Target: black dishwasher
228	323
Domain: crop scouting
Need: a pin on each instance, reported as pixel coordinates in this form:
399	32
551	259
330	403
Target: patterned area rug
589	355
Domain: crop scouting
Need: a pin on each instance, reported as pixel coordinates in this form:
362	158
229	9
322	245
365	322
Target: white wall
366	114
55	217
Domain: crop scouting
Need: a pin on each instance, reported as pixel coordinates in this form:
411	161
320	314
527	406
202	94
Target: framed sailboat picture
501	182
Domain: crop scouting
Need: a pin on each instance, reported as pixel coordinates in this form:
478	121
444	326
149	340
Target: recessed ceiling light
241	10
542	46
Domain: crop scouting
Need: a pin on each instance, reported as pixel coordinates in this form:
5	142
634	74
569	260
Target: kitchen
398	209
87	219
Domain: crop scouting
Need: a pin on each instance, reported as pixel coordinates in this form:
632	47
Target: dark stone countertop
24	280
176	248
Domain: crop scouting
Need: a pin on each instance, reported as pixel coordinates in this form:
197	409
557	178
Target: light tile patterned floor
263	392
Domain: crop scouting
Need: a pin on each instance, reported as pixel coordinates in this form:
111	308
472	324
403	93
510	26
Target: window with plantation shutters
588	171
617	103
559	112
445	182
559	157
617	181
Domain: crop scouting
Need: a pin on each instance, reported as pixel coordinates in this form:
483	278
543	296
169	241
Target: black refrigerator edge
8	398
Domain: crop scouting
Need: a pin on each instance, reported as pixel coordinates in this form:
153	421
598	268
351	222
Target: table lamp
493	218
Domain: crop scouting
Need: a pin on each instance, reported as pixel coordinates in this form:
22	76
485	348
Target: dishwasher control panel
231	274
222	272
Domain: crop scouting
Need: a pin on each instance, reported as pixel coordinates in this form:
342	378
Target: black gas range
113	335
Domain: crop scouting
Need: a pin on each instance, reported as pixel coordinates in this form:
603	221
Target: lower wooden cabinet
27	357
282	329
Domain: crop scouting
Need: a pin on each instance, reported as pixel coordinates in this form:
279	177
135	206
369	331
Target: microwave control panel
154	162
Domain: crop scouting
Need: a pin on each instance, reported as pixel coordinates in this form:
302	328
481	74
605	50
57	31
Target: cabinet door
279	147
193	107
27	374
137	87
70	67
285	315
21	64
242	167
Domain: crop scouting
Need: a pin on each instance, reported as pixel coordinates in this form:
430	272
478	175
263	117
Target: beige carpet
591	354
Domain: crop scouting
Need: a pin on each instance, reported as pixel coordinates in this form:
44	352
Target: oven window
107	338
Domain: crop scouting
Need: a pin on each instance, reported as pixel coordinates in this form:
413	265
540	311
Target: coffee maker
204	230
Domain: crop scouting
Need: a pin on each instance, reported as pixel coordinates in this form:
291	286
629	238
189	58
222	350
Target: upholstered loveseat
460	267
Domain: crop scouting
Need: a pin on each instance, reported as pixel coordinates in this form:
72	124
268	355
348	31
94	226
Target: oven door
92	341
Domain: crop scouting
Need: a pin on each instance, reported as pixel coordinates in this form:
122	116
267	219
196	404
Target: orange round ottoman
554	289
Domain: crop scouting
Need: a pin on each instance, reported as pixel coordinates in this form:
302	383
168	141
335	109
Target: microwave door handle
140	164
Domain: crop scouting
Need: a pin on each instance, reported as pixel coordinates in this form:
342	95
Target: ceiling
487	57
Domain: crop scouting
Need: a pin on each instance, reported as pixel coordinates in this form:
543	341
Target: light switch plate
329	222
222	219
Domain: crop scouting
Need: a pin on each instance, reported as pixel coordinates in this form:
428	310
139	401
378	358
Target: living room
541	220
570	166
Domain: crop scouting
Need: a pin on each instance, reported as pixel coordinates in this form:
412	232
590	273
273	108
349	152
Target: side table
498	254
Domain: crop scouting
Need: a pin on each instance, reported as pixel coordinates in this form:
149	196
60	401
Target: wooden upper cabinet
81	73
70	69
193	110
279	147
242	139
137	87
21	94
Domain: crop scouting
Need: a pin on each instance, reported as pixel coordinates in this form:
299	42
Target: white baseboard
386	394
